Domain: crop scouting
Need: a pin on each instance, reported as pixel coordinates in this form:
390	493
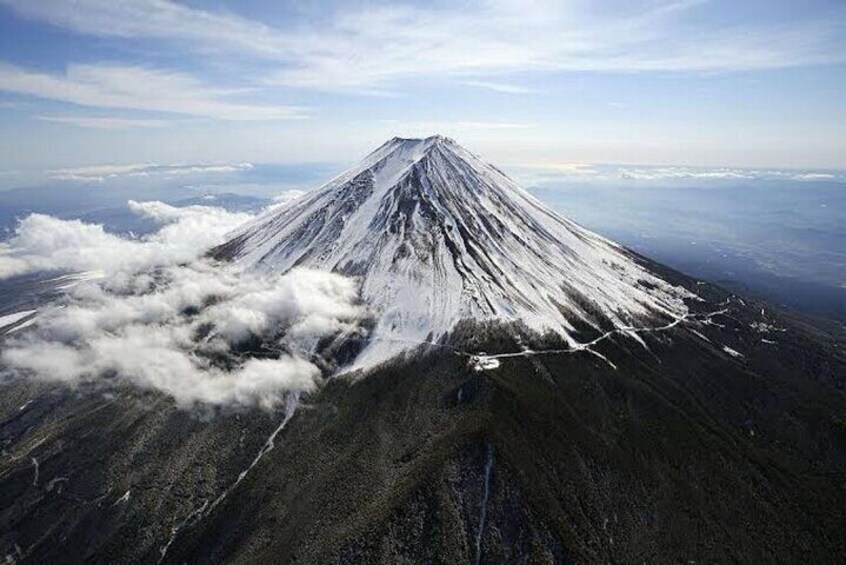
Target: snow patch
732	352
12	319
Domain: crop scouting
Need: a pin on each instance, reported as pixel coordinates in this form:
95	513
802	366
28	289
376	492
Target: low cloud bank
42	242
164	318
551	171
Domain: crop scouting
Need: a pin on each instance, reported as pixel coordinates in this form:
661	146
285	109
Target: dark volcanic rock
684	452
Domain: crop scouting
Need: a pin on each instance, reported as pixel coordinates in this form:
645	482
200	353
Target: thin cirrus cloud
157	19
425	127
502	87
137	88
370	47
104	122
101	173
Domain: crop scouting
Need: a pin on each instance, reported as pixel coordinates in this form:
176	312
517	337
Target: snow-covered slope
436	235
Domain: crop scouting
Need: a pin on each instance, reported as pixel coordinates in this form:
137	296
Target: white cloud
569	169
377	45
721	173
104	122
43	242
147	339
257	308
161	19
499	87
164	318
540	172
288	196
815	176
10	265
100	173
137	88
661	173
284	199
364	48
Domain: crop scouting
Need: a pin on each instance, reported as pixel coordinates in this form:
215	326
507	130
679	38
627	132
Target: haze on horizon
544	84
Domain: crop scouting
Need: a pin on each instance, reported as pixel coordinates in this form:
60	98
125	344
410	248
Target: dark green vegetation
684	452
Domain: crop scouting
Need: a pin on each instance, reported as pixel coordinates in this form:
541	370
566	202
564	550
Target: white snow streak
12	319
732	352
35	472
197	515
483	509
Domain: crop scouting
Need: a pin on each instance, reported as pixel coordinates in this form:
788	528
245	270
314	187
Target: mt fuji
436	235
506	386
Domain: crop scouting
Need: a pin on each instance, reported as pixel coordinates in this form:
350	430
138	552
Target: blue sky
528	83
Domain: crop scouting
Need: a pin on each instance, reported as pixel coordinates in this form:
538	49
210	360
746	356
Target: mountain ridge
436	235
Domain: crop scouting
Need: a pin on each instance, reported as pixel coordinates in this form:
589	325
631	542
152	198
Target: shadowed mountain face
708	427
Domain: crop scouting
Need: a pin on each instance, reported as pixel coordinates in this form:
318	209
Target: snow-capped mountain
597	452
437	235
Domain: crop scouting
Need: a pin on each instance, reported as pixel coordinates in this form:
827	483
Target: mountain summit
436	235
